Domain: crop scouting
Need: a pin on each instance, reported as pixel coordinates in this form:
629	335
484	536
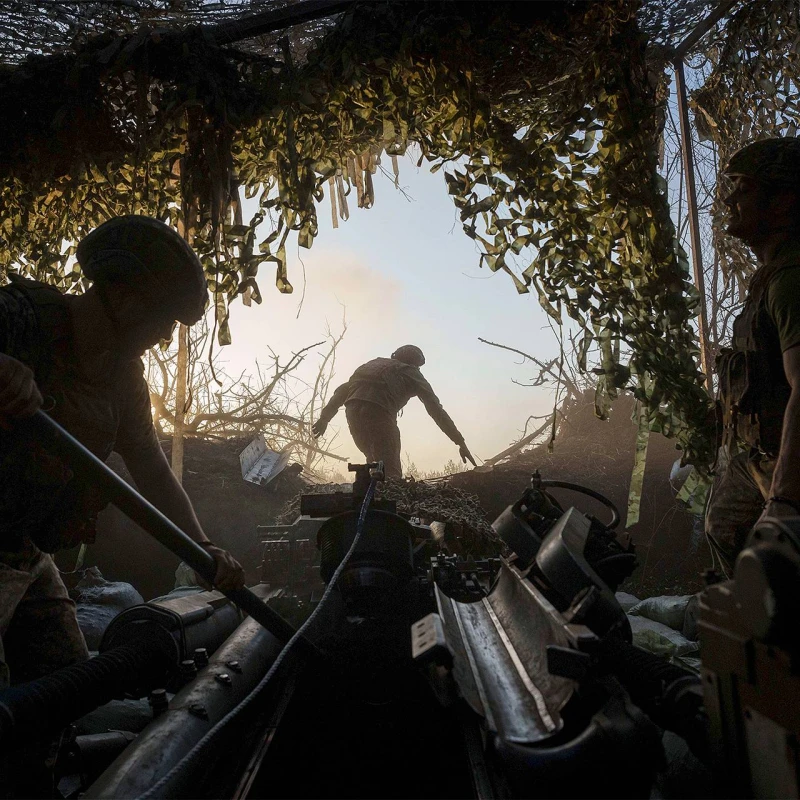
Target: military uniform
754	392
373	397
43	506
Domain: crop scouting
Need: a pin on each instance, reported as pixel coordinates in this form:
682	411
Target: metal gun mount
751	665
536	687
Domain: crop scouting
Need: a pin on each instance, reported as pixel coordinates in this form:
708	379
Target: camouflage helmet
772	161
409	354
151	258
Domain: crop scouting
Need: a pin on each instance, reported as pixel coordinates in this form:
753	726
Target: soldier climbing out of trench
759	376
79	358
374	396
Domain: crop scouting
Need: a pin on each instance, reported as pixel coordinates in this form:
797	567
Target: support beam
694	221
679	53
263	22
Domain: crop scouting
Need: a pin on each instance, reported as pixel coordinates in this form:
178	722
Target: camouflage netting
468	528
546	119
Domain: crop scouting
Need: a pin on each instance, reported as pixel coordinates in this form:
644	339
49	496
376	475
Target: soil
229	509
670	545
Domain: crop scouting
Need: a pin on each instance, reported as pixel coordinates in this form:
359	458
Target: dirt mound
229	509
466	522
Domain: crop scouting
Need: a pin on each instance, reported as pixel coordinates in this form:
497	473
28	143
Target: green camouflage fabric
774	161
736	503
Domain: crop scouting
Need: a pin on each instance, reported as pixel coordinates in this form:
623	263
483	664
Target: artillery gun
426	675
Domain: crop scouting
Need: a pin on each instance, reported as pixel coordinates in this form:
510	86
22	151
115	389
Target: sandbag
669	610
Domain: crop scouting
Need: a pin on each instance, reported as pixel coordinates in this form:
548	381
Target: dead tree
271	401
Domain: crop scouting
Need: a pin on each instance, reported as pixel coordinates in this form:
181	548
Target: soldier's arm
139	447
437	413
783	304
786	478
331	408
19	394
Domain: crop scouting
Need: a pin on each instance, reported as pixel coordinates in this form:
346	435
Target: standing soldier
759	377
79	358
374	396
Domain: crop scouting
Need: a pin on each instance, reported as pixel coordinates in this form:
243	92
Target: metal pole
161	528
694	222
181	375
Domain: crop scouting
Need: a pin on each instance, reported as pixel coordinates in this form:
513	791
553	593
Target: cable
196	752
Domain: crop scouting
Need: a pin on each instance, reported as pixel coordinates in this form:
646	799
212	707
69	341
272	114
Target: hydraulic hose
150	519
173	783
41	707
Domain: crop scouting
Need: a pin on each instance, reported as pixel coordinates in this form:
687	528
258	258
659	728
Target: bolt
233	666
188	669
198	710
158	701
223	678
200	657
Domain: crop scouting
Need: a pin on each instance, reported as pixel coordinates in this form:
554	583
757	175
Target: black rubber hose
576	487
39	708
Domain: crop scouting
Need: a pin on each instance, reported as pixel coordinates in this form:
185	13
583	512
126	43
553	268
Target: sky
405	273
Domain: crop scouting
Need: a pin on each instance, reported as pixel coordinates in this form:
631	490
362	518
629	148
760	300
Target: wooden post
180	401
694	221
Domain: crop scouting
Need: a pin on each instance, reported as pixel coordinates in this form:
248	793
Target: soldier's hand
318	428
230	573
19	394
465	454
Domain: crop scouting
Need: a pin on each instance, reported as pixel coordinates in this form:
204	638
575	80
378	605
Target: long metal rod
151	520
694	220
701	29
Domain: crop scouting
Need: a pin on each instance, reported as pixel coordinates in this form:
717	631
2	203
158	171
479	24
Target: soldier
78	357
759	377
373	398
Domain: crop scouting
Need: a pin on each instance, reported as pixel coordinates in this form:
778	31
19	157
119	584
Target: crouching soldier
79	358
759	377
374	396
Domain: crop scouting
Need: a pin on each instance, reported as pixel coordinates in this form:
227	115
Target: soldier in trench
374	396
759	376
79	358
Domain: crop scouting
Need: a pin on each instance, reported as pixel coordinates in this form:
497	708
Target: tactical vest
42	499
753	389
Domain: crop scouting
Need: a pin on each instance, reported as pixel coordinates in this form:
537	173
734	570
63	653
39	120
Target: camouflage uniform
43	506
373	397
753	388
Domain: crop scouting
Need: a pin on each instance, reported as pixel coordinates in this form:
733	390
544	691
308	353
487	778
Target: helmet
773	161
150	257
409	354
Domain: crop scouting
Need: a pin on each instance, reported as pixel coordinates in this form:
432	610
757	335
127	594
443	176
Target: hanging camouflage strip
545	118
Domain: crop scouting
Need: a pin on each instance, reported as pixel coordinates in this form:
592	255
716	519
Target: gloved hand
230	573
19	394
318	428
465	454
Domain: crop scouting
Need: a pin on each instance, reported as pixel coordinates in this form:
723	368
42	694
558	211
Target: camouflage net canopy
546	118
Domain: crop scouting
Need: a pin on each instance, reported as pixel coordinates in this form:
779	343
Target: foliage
752	92
273	401
545	116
